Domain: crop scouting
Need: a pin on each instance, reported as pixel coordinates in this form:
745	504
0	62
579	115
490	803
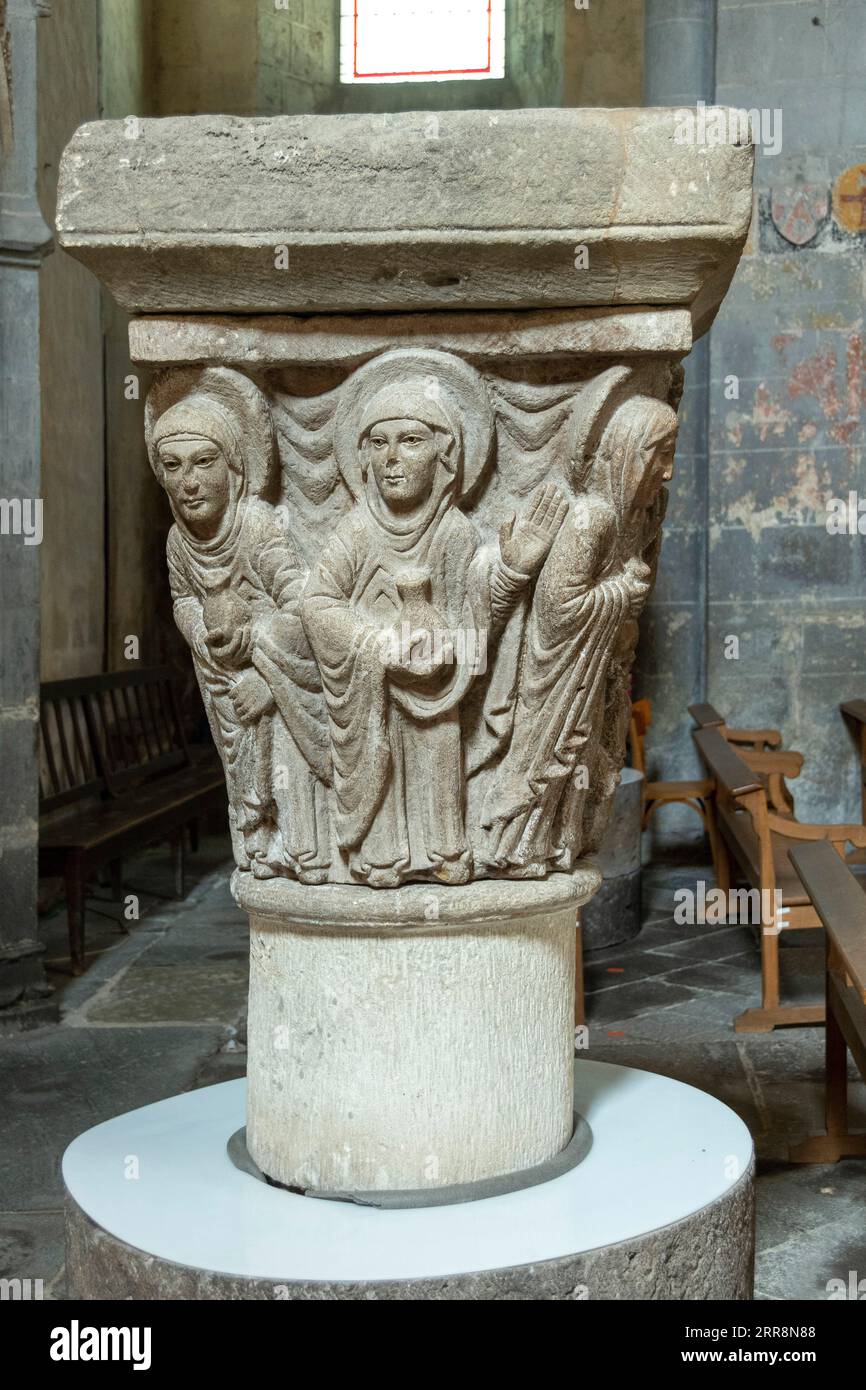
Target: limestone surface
468	209
428	1048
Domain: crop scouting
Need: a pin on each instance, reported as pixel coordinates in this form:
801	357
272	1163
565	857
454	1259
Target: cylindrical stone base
411	1038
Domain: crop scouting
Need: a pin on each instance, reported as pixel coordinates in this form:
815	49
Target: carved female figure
397	607
646	432
592	587
235	582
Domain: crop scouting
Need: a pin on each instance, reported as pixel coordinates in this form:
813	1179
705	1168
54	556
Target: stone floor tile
633	999
31	1245
56	1082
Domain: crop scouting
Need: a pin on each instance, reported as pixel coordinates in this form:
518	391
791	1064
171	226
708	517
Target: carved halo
464	397
241	400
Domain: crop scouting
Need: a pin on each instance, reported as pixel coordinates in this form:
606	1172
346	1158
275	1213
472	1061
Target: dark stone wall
791	331
747	553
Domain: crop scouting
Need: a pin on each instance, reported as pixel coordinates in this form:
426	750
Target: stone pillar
679	71
415	410
423	1042
24	240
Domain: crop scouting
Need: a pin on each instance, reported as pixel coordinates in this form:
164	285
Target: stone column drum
414	411
420	1043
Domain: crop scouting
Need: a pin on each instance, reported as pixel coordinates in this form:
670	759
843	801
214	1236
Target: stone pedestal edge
707	1255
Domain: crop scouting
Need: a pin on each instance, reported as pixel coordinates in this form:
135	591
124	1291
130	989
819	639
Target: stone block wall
747	553
792	331
298	48
73	485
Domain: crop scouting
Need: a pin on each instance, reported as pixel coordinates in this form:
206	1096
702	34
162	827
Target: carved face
196	478
658	469
404	456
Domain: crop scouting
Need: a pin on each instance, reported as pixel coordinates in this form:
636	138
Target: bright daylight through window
421	40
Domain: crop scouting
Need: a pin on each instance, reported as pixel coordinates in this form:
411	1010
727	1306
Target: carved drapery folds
415	423
411	598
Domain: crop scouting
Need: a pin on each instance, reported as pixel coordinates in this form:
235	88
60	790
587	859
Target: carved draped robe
276	766
532	815
396	740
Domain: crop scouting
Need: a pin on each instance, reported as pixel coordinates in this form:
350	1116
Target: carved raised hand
525	541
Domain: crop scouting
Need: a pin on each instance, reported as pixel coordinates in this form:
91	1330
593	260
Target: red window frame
426	72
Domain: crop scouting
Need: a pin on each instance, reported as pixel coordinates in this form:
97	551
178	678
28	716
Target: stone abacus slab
468	209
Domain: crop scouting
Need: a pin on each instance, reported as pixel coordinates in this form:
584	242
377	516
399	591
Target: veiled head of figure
406	439
657	448
196	457
210	441
639	443
196	478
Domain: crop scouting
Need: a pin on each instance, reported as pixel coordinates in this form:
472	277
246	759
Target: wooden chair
654	794
755	827
579	994
116	774
841	904
697	793
854	715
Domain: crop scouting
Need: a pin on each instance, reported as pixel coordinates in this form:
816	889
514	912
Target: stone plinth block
661	1208
614	913
412	211
412	1039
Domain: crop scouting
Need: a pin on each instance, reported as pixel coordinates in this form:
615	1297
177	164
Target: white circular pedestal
662	1207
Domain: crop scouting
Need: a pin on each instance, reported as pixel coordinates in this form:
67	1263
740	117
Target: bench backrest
102	734
740	791
840	903
706	716
68	767
732	776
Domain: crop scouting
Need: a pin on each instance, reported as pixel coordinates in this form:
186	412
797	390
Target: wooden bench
755	827
696	793
116	774
579	993
654	794
841	904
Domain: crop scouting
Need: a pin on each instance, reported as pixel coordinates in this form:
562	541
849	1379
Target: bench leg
828	1148
708	816
75	907
117	879
579	1004
177	861
722	859
769	970
783	1016
836	1072
837	1142
765	1019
